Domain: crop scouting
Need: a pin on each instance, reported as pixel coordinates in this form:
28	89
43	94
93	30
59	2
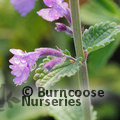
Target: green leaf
101	56
99	35
47	79
96	11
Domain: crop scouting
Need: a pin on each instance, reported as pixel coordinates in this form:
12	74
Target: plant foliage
99	35
47	79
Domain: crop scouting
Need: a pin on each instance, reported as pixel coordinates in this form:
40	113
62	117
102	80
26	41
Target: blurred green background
30	32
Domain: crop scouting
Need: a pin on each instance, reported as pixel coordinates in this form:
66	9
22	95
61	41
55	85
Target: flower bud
63	28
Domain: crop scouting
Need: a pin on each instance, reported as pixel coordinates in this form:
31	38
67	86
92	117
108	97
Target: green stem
84	85
76	27
83	74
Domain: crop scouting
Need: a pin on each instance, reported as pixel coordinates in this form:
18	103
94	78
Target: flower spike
23	6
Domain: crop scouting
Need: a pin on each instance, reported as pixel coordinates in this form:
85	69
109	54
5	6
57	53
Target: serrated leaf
66	69
96	11
99	35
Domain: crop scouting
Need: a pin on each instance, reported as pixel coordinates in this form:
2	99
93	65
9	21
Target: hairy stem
76	23
84	85
82	74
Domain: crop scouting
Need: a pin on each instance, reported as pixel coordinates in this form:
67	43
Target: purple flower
57	9
49	65
62	27
23	6
22	64
48	52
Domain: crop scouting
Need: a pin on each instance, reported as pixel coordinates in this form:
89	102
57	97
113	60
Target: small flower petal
16	72
49	14
14	60
19	80
16	51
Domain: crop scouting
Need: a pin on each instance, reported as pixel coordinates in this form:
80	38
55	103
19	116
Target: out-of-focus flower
49	65
57	9
60	27
23	6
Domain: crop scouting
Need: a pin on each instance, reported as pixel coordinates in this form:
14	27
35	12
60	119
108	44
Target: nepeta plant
60	63
23	62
